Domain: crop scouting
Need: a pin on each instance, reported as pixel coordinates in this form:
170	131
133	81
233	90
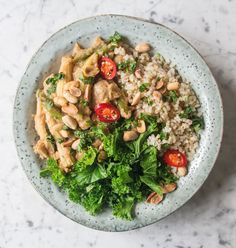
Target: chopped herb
163	135
53	110
187	113
51	89
115	38
128	66
55	78
53	81
60	140
171	96
85	139
87	80
51	139
84	103
198	123
143	87
148	101
65	128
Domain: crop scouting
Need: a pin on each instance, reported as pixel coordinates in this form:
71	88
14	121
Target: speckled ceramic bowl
190	65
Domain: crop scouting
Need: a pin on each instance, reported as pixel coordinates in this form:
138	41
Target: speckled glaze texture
190	65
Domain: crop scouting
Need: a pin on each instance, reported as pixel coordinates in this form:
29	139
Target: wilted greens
130	171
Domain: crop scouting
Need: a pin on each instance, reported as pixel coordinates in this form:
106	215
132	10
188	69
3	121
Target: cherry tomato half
106	112
175	158
107	68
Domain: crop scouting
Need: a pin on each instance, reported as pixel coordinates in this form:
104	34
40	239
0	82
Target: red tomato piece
107	68
106	112
175	158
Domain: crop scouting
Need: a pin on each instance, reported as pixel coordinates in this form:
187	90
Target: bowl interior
190	65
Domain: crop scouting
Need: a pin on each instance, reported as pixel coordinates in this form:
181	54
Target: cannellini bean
70	84
182	171
118	59
156	94
69	122
167	188
159	84
173	86
75	144
130	135
101	156
64	133
70	109
70	98
141	128
68	143
74	91
136	99
97	143
125	114
57	127
142	47
60	101
154	198
84	124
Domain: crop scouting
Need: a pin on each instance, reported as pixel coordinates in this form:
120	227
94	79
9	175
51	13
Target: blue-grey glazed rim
22	128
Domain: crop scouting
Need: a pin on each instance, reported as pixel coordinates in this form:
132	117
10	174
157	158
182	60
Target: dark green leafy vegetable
172	96
52	169
85	139
197	121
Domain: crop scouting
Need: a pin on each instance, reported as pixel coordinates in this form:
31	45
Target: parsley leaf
128	65
53	81
87	80
115	38
143	87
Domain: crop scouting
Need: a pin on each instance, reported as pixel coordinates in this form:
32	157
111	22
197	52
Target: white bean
130	135
142	47
141	128
70	98
69	122
182	171
173	86
75	144
74	91
70	109
60	101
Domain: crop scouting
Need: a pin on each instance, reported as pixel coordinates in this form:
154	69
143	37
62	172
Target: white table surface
209	219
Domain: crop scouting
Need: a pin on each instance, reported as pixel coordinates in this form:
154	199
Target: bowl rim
145	21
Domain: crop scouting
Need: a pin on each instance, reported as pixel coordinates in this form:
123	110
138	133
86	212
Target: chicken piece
114	91
100	92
